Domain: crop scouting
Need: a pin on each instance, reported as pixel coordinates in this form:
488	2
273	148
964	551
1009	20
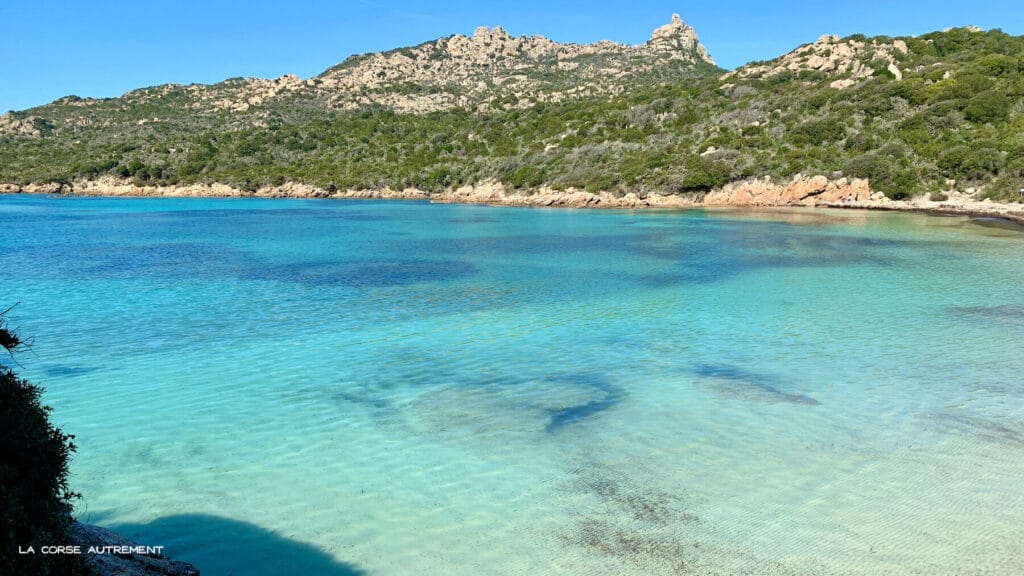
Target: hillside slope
913	115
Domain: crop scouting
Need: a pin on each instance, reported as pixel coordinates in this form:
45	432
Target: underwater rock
997	223
1007	433
564	416
514	404
1011	312
753	385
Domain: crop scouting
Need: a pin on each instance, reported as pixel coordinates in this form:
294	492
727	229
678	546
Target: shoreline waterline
801	192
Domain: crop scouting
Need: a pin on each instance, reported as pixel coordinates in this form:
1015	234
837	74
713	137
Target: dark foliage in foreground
35	502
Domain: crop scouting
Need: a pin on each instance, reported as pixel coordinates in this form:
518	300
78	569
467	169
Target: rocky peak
680	39
485	35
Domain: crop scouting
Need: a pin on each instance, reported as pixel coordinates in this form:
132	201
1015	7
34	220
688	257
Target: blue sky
100	48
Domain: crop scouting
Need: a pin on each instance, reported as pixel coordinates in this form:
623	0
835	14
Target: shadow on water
1007	433
222	546
996	226
561	417
471	219
751	385
67	370
1012	313
528	244
374	273
724	250
108	260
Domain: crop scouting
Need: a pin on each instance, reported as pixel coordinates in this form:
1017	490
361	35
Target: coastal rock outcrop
800	191
110	186
495	193
44	188
133	564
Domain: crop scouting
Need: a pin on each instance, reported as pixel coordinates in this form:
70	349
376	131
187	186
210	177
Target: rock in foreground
87	535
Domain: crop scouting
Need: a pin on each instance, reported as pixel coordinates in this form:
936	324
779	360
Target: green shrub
969	162
526	176
884	174
861	142
817	132
989	106
1007	190
702	174
34	495
1007	187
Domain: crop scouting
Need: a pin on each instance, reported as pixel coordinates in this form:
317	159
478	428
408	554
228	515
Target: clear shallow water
326	387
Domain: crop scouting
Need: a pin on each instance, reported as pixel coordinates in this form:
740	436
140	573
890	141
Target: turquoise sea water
399	388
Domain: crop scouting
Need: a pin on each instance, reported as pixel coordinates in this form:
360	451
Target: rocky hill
936	114
847	60
490	69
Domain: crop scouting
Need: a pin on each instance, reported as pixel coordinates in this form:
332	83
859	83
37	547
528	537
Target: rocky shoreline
117	564
800	191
